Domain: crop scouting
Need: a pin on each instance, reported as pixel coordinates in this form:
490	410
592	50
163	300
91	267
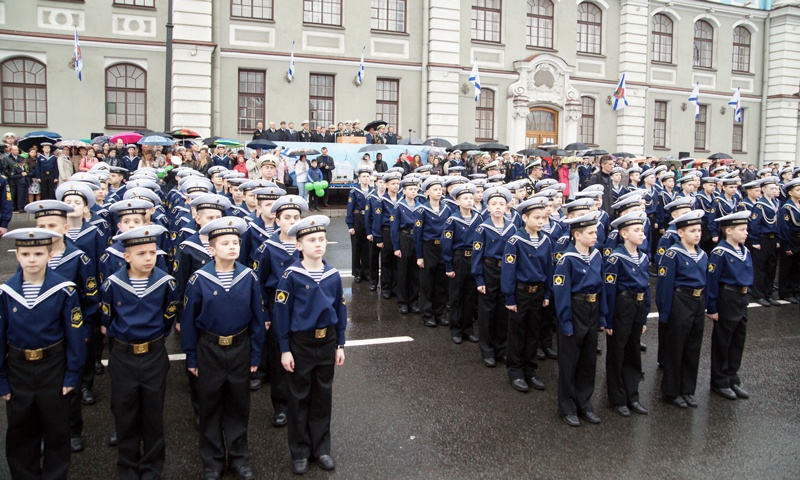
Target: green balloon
320	192
317	185
324	183
309	187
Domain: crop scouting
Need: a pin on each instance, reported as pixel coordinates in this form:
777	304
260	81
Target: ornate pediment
543	79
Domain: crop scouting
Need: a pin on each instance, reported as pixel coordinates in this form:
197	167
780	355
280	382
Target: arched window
484	116
703	43
540	23
126	96
590	28
662	38
24	91
587	120
741	49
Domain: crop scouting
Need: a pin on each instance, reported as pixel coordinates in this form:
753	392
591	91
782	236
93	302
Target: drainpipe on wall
216	69
168	74
426	21
762	141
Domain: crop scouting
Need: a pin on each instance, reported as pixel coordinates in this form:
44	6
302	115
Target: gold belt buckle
639	297
533	289
437	242
140	348
591	297
31	355
697	292
226	341
467	253
320	333
744	290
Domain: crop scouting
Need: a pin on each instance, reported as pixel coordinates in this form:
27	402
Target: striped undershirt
226	279
536	240
316	274
72	234
53	262
695	256
586	258
290	247
30	292
270	230
207	246
140	285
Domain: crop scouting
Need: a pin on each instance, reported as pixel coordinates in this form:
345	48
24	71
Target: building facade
548	69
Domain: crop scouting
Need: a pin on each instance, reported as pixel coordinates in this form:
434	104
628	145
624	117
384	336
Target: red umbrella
126	137
184	133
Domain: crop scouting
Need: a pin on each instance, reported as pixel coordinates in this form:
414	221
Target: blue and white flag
360	76
78	56
620	100
475	79
290	75
695	98
736	103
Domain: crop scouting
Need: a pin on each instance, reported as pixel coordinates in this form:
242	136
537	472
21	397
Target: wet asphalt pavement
429	409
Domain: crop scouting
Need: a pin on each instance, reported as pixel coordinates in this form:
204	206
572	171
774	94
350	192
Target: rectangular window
258	9
252	98
320	99
323	12
486	21
389	15
587	120
738	134
539	28
136	3
484	117
660	125
700	128
387	100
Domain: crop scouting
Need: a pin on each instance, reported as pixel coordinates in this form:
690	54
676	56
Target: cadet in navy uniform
681	301
627	292
131	160
221	159
525	282
131	215
193	253
704	200
47	171
428	227
789	254
310	319
488	243
385	209
673	210
42	352
6	205
222	333
730	273
139	306
261	223
356	203
764	240
457	256
725	203
402	232
581	309
373	202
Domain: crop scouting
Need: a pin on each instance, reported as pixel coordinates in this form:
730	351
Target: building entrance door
541	126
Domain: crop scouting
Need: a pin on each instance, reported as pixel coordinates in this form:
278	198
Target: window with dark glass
320	99
126	96
486	20
590	28
539	28
136	3
662	38
738	134
387	100
252	98
24	83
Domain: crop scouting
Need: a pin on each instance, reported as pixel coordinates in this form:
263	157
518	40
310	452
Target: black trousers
311	394
788	274
37	412
407	272
463	295
87	378
546	326
765	262
523	333
432	282
492	313
19	193
264	370
359	247
138	385
577	359
374	263
727	339
388	264
224	394
684	337
623	356
278	381
48	186
706	242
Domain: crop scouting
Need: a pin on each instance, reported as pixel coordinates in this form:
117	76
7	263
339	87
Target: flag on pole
290	75
620	100
736	103
78	56
695	98
360	77
475	79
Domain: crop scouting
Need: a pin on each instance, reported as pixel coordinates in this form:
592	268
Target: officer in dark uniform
42	351
429	223
47	171
385	209
6	205
789	253
356	203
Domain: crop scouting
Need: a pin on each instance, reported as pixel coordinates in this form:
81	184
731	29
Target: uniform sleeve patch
611	278
558	256
85	259
558	280
378	210
670	253
479	230
193	279
172	309
281	296
606	251
285	274
711	267
662	271
104	257
91	283
255	265
418	223
173	284
391	218
448	234
477	246
612	260
344	302
511	258
106	308
512	240
76	318
662	250
70	290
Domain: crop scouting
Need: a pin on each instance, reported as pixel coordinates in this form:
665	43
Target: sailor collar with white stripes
678	247
727	247
123	281
573	252
525	237
630	258
328	271
488	224
457	216
43	294
213	277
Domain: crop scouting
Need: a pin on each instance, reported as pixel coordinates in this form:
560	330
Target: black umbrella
493	147
210	141
26	143
410	141
623	155
463	146
438	142
534	152
375	124
560	152
548	145
262	144
720	156
577	146
595	153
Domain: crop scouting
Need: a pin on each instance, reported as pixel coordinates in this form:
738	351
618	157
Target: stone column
783	103
443	85
191	65
634	21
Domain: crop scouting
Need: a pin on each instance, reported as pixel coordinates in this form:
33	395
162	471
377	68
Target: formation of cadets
234	266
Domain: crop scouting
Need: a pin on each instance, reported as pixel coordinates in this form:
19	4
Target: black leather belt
734	288
226	340
493	261
639	297
434	242
770	235
694	292
407	231
462	253
530	288
360	212
586	297
138	348
318	333
33	355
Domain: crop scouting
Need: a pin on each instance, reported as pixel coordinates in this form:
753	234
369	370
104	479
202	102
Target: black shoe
724	393
99	368
112	440
443	321
210	475
489	362
76	444
572	420
599	351
387	294
676	401
372	287
279	420
415	309
739	391
357	279
622	410
536	383
550	353
520	385
403	309
763	302
642	346
457	339
637	407
326	462
591	417
429	322
502	360
774	302
791	300
540	355
255	384
245	472
87	397
472	339
690	400
300	466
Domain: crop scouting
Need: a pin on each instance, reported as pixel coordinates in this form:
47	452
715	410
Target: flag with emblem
695	99
78	56
736	103
620	98
360	76
475	79
290	74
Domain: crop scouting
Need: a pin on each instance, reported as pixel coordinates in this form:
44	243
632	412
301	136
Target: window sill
484	140
134	7
663	64
252	19
489	43
701	150
541	49
735	72
739	152
124	128
324	26
592	55
704	69
37	125
389	32
662	148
